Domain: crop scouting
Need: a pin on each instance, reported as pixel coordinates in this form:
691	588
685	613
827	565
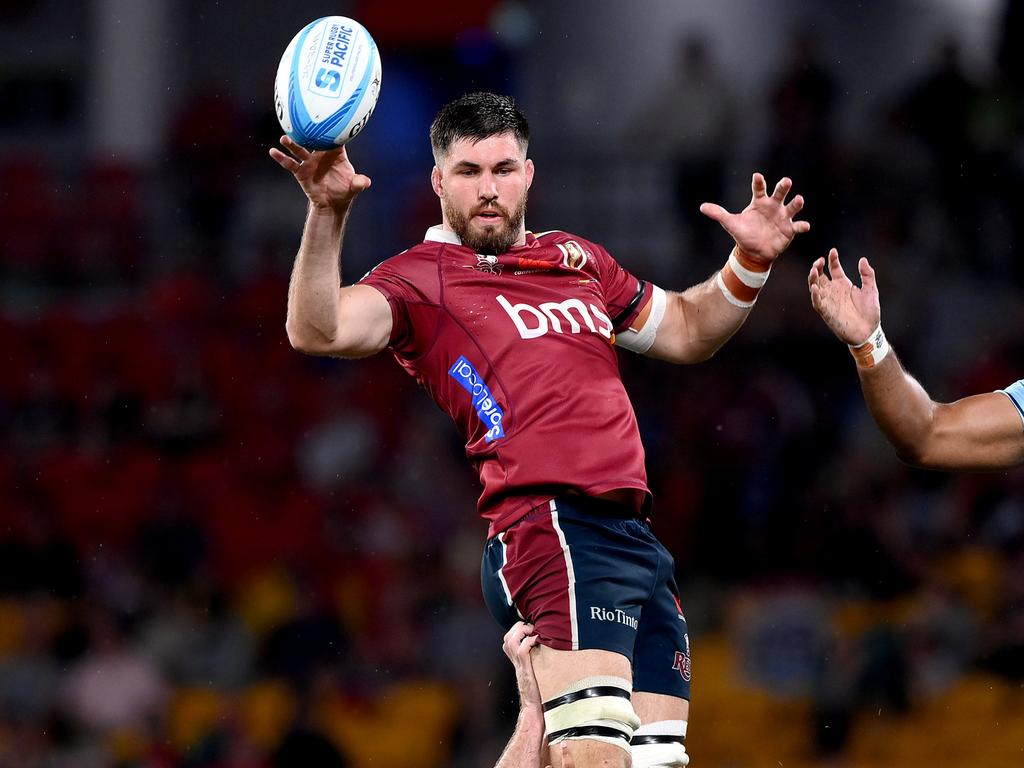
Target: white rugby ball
327	83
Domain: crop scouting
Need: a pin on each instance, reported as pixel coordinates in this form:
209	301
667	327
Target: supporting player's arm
526	747
976	433
698	321
325	318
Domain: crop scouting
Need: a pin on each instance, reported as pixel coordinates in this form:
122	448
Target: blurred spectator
113	686
692	124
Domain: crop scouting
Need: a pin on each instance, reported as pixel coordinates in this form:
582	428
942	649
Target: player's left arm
694	324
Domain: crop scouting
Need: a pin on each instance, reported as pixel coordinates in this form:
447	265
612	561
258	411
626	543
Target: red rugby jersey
518	350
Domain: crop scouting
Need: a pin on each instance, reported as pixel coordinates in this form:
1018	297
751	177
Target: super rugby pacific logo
487	408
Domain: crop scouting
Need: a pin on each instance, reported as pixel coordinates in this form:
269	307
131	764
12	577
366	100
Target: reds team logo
487	263
681	663
573	255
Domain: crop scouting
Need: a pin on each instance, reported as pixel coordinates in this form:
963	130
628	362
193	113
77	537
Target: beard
490	240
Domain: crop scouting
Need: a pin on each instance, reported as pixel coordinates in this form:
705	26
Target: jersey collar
438	234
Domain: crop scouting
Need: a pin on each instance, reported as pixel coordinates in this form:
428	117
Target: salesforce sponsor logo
487	409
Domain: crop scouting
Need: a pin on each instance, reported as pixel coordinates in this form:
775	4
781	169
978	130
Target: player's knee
660	745
597	709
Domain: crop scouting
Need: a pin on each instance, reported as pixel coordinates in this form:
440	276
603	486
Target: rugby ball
327	83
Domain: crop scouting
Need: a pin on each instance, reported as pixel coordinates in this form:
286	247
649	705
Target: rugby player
513	333
981	432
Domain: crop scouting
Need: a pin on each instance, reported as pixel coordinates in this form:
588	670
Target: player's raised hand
328	178
765	228
851	312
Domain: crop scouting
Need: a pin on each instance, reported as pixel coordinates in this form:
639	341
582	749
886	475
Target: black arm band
621	317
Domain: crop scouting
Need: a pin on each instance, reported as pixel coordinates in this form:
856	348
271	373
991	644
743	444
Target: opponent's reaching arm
325	318
979	432
698	321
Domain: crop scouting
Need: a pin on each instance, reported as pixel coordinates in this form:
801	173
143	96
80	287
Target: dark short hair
477	116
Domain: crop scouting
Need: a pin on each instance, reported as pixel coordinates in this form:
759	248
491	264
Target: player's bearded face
483	188
487	226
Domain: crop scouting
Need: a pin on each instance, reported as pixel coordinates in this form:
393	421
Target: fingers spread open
285	161
835	268
795	205
758	186
867	273
713	211
782	188
815	273
296	149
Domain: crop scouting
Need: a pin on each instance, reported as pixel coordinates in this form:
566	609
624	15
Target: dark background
217	552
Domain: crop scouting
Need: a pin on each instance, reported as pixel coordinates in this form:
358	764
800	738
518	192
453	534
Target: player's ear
435	180
529	172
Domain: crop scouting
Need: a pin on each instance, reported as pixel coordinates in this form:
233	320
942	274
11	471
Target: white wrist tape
741	279
872	351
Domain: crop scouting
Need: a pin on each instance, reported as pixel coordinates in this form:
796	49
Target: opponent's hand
851	313
765	228
518	643
327	177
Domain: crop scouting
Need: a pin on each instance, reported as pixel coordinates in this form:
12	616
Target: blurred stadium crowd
215	552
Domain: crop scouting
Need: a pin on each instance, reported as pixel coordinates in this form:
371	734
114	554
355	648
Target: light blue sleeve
1016	394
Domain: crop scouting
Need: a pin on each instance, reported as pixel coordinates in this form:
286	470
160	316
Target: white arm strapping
641	341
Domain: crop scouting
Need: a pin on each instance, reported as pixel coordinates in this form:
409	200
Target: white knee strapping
660	745
596	708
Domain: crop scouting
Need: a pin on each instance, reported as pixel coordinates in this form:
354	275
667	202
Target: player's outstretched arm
699	321
975	433
323	317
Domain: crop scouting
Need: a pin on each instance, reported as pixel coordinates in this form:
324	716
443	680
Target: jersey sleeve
1016	394
390	279
624	295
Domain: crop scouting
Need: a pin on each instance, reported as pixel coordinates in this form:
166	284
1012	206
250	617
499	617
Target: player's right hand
328	178
851	312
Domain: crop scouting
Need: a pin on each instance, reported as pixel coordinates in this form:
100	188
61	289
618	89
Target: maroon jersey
518	350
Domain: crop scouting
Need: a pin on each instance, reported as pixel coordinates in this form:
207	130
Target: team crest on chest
573	255
487	263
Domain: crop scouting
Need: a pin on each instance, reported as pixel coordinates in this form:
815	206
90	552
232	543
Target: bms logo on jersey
571	314
487	408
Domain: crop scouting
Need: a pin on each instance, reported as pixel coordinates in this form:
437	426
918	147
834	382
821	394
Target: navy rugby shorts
590	574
